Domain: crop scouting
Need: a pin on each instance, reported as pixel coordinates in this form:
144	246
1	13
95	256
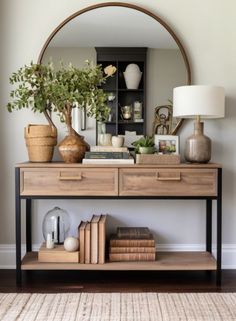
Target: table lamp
198	102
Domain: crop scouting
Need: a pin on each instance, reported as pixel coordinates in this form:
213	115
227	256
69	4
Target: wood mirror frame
134	7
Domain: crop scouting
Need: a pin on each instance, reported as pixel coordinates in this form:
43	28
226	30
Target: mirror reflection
121	28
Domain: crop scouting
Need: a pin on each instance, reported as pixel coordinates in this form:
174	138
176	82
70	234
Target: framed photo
167	144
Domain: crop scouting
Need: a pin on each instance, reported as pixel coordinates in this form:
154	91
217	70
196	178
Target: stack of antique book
108	155
92	237
132	244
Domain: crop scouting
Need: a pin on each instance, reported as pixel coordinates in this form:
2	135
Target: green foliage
146	141
82	86
34	88
42	88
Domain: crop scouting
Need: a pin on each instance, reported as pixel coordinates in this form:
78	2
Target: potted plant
144	145
72	87
33	91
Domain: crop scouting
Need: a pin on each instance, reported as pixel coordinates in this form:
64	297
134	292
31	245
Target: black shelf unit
120	57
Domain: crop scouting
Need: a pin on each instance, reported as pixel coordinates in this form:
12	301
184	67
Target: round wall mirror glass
120	25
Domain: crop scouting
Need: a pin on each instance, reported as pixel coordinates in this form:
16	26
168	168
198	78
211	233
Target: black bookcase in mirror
127	100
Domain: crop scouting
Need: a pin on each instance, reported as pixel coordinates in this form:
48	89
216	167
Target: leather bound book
131	249
133	232
124	242
118	257
81	229
88	243
94	238
102	239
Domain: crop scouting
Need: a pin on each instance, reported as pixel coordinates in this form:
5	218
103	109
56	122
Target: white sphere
71	244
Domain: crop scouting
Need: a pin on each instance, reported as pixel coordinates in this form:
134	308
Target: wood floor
112	281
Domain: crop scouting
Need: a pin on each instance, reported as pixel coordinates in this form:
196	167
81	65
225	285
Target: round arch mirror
122	25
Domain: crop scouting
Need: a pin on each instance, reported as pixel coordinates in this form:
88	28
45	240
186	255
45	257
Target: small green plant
146	141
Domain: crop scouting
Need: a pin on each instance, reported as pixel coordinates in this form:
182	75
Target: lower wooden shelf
165	261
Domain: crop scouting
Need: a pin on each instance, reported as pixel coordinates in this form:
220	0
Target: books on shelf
92	236
108	149
117	257
106	155
108	161
132	244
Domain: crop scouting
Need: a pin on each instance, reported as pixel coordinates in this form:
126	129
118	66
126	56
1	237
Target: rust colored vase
72	148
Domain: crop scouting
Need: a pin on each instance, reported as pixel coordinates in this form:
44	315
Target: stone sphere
71	244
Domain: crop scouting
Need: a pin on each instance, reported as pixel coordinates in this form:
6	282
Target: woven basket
40	142
40	131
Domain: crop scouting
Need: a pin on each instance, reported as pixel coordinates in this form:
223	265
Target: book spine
108	149
108	161
150	249
134	233
117	257
106	155
82	246
94	243
101	240
132	243
87	243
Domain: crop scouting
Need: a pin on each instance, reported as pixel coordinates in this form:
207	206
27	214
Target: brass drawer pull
71	178
175	178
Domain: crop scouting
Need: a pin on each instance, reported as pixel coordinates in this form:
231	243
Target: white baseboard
7	253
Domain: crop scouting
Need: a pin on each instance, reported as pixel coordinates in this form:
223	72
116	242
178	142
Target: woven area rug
118	307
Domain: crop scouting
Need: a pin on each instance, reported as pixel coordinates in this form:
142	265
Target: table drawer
168	182
71	181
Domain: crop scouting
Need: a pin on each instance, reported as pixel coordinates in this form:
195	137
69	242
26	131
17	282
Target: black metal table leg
209	225
18	226
219	228
28	226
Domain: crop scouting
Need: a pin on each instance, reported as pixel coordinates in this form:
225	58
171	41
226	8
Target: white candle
49	242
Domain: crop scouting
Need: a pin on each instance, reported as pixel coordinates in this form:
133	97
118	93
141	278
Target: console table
68	181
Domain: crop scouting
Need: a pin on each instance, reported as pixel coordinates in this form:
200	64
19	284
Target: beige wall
207	30
165	70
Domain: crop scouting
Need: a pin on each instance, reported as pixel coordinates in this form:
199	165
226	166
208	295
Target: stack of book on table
132	244
92	238
108	155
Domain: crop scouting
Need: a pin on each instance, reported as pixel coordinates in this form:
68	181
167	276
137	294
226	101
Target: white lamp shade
205	101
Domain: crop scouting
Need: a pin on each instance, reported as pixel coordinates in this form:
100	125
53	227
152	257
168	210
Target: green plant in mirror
72	86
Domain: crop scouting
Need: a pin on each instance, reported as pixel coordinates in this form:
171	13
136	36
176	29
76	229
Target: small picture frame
167	144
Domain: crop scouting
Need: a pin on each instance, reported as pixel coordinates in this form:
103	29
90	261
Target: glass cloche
57	223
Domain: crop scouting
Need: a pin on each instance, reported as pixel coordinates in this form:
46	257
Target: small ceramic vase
117	141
